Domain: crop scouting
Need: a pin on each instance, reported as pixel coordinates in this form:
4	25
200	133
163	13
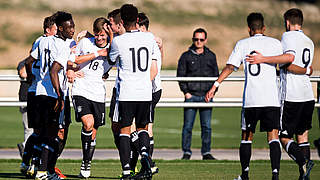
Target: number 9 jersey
135	51
297	87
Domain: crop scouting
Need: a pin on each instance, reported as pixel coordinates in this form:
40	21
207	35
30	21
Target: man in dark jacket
198	61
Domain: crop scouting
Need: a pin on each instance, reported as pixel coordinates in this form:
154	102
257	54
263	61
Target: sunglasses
197	39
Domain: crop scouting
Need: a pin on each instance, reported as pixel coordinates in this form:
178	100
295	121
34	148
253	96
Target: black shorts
46	111
33	111
65	115
83	106
155	99
269	118
140	110
296	118
113	110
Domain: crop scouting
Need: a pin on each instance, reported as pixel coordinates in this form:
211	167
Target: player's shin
124	152
245	155
275	155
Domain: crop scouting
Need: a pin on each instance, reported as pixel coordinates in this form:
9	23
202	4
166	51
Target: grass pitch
225	124
177	169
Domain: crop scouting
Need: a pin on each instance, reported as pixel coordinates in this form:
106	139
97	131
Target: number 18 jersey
297	87
135	51
260	86
91	86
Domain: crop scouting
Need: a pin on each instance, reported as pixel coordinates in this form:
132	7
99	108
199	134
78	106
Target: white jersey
91	86
35	67
135	51
297	87
260	87
156	83
51	49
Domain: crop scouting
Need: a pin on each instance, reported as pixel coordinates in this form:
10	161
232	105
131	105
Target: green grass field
178	169
167	130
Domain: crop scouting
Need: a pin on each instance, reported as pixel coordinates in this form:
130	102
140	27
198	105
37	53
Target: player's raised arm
224	74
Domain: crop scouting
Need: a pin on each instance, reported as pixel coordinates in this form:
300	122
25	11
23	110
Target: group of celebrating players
56	59
123	41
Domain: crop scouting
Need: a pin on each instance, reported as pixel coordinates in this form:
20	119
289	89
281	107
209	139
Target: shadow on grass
69	176
12	175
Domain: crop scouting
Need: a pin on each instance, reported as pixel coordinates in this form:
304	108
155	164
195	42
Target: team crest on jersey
79	109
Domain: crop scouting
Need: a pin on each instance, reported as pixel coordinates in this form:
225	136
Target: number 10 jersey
135	51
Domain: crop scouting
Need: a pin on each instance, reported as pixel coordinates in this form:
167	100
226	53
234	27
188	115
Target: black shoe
186	157
317	145
208	157
275	176
126	177
145	172
21	149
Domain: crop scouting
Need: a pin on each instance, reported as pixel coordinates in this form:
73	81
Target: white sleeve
156	54
62	56
114	51
288	44
236	56
35	51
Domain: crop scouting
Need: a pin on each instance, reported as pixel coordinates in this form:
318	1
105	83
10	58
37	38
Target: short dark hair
129	14
143	20
99	23
115	14
62	17
200	30
255	21
48	23
294	16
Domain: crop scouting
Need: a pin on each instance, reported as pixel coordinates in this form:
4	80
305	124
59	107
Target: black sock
92	148
144	142
117	140
86	137
124	152
56	144
305	148
46	150
245	155
134	153
295	153
151	146
28	150
275	155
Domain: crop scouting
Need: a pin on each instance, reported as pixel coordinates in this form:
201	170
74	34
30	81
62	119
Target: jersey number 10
139	59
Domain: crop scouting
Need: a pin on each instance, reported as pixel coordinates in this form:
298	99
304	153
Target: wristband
308	71
216	84
96	54
74	65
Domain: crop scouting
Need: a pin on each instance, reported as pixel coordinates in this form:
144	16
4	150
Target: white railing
164	102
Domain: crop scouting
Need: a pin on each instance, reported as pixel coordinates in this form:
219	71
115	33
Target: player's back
136	51
298	86
261	87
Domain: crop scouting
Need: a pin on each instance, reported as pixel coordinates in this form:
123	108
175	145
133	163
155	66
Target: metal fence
164	102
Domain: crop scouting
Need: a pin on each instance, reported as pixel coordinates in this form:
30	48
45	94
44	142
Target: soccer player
89	92
296	90
53	53
156	84
32	148
259	79
137	67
